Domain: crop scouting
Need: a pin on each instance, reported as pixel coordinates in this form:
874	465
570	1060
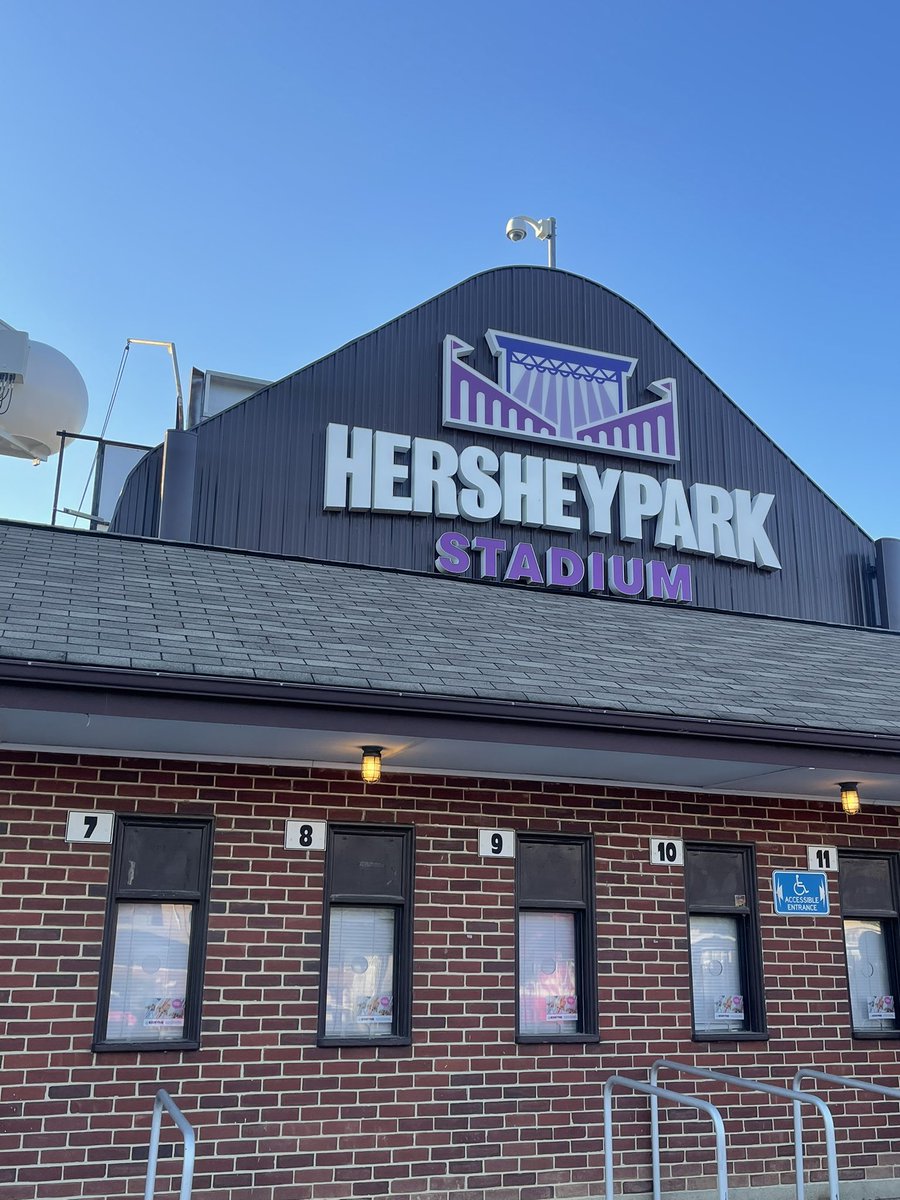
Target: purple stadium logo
549	392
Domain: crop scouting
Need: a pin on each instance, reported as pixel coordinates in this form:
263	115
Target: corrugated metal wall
260	465
137	510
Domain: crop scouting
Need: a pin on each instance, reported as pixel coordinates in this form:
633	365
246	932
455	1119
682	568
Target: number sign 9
89	827
666	852
304	835
496	843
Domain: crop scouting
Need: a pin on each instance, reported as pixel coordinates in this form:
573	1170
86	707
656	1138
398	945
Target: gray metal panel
137	510
260	465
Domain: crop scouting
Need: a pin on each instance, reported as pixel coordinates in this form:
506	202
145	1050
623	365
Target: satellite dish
41	392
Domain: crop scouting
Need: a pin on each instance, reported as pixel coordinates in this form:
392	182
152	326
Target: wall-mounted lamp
370	768
849	798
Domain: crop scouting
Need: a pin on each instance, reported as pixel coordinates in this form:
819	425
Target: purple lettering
626	583
596	565
523	565
490	549
452	558
663	584
565	568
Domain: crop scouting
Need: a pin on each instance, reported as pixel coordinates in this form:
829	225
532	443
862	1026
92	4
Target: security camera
516	229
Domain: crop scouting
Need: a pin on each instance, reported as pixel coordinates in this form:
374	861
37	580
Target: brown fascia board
116	691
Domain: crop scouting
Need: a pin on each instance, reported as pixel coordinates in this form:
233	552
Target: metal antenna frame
179	398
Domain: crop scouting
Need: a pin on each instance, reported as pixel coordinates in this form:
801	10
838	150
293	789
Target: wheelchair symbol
800	888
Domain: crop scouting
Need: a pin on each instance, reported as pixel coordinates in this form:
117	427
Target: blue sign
800	893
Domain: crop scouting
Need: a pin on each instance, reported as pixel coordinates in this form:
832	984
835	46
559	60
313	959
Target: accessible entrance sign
800	893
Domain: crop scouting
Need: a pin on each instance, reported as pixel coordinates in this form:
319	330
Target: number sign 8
304	835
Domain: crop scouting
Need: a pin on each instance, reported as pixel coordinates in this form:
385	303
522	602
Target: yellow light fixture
849	798
370	769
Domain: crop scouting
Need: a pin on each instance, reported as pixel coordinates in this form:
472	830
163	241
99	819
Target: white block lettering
480	498
640	496
753	545
675	527
599	492
343	465
522	484
712	508
433	488
557	496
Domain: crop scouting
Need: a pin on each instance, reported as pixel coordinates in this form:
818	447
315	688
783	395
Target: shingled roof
87	599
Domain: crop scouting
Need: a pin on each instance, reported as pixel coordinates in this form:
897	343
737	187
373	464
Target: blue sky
262	184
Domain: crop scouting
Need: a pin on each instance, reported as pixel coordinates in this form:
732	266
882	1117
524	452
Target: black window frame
749	943
585	914
401	1025
198	898
891	919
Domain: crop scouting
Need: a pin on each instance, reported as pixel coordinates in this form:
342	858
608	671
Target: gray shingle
98	600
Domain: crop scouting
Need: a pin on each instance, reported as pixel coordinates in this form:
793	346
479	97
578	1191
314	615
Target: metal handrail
794	1095
861	1085
654	1091
164	1101
850	1081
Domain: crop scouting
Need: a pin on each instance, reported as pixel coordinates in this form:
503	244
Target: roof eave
148	692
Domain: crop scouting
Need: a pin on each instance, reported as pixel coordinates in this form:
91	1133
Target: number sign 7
89	827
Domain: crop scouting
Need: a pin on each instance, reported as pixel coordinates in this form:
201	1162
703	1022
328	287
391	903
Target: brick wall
464	1111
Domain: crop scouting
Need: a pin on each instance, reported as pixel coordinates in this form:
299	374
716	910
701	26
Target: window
365	989
154	937
723	926
870	887
556	960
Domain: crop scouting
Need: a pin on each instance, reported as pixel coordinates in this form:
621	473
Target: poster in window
165	1012
562	1008
375	1008
729	1008
881	1008
148	981
547	972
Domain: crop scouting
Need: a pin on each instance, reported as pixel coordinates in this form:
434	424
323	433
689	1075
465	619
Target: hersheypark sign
565	396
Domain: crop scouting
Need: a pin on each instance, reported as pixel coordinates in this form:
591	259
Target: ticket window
871	919
723	924
365	988
154	940
556	939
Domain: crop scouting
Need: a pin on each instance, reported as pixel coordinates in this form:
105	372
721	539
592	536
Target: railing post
794	1095
607	1141
655	1092
164	1100
154	1147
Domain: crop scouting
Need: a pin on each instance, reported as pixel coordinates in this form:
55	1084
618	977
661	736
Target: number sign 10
304	835
89	826
666	852
496	843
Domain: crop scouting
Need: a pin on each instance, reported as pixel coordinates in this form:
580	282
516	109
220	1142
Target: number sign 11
822	858
667	852
497	843
304	835
89	826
